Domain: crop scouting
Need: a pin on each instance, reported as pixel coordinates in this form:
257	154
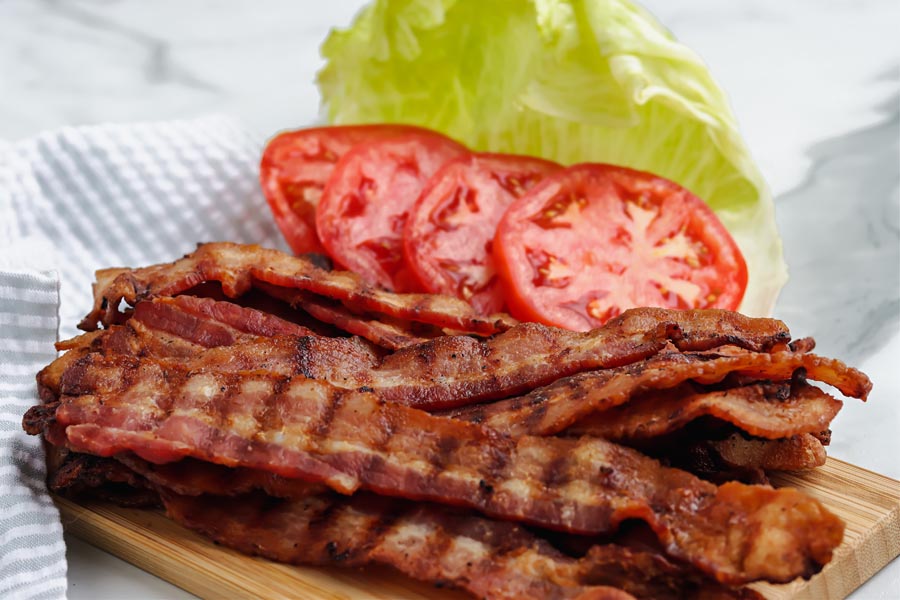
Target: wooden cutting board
869	503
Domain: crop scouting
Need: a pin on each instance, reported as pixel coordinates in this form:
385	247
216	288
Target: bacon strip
756	409
257	525
191	477
179	327
490	559
348	440
213	323
83	474
794	453
377	330
736	458
453	370
236	266
229	521
554	408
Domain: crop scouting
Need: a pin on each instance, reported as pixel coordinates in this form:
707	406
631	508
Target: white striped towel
73	201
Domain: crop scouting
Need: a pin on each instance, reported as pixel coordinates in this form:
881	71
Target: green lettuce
596	80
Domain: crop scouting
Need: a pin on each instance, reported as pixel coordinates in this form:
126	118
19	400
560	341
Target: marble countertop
815	86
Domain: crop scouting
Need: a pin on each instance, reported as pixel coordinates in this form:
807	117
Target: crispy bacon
794	453
377	330
490	559
760	409
211	323
735	457
228	521
181	327
441	373
196	396
83	474
567	401
453	370
191	477
310	430
237	266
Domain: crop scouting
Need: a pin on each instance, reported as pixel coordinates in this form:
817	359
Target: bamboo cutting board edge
868	502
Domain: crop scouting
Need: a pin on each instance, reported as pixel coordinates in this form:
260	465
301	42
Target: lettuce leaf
569	80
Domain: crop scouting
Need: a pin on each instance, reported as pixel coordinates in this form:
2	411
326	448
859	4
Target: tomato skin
296	165
364	207
450	229
595	239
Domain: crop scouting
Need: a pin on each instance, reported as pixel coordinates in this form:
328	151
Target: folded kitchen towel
73	201
32	553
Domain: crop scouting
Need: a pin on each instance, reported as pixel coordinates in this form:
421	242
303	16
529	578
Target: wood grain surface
869	503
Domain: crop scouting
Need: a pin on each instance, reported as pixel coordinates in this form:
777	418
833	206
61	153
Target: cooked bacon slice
643	574
181	327
379	332
41	420
453	370
191	477
735	457
105	478
237	266
310	430
132	481
554	408
761	410
802	345
211	323
441	373
490	559
794	453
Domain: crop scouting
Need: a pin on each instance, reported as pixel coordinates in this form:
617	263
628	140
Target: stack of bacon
471	452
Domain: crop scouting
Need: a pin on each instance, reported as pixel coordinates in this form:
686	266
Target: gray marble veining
842	241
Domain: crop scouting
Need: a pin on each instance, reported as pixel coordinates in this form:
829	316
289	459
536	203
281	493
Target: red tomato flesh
295	167
450	231
593	240
363	209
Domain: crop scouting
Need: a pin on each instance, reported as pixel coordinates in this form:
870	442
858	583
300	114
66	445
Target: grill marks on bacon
487	558
378	330
197	396
762	410
212	323
452	370
310	430
551	409
593	395
292	531
236	266
490	559
178	327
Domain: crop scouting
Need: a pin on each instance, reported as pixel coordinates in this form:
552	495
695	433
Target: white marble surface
814	84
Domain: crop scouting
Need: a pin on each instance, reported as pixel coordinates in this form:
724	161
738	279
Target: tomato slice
295	167
593	240
364	206
448	236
